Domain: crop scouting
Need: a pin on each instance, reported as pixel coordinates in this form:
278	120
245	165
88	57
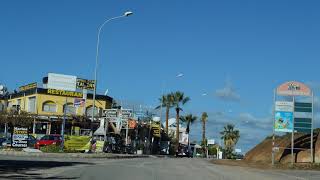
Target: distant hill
262	152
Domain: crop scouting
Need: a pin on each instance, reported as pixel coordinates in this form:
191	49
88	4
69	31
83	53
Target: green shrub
51	149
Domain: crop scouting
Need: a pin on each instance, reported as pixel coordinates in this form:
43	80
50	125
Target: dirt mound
262	152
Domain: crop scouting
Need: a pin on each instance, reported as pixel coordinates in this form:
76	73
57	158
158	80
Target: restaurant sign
28	86
85	84
64	93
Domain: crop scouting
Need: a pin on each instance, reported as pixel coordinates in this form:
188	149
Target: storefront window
69	109
32	104
89	111
49	106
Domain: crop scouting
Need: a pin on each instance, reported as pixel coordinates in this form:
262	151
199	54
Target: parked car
53	139
183	151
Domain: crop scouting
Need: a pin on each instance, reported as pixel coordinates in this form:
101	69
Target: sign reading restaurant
64	93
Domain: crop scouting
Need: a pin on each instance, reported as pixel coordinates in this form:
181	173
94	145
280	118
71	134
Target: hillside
262	152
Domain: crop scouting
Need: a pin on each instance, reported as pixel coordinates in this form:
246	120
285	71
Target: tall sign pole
273	137
286	118
292	135
311	144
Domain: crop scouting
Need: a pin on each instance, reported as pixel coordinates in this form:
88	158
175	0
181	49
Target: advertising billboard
285	106
61	82
28	86
85	84
283	121
20	137
293	88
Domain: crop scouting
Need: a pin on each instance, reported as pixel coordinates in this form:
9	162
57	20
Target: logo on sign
79	102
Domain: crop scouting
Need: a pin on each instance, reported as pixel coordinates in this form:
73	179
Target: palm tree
167	102
230	137
204	118
188	120
178	100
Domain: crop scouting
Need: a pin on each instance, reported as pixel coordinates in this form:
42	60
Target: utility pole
63	123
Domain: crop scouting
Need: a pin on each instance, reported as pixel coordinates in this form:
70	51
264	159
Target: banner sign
293	88
28	86
284	106
79	102
85	84
283	121
20	137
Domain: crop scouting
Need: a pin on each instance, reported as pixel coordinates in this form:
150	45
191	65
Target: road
139	169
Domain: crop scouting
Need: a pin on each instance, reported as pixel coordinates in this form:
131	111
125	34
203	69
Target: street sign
111	113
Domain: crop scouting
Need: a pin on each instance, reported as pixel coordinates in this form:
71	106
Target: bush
51	149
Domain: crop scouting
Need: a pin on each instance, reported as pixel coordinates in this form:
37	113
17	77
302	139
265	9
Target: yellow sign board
28	86
85	84
77	143
81	143
65	93
156	129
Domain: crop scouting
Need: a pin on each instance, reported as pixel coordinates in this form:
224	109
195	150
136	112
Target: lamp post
126	14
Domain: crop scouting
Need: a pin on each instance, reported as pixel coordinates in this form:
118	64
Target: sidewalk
71	155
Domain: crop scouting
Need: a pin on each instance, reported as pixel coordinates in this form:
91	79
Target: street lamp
126	14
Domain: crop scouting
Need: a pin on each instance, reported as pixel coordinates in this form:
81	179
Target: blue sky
235	51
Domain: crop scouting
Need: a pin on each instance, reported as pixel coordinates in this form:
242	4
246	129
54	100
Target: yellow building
50	104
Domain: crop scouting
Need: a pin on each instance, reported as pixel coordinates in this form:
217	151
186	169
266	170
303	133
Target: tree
179	99
204	118
230	137
167	102
188	120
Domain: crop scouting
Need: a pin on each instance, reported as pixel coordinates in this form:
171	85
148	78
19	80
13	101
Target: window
89	111
19	102
32	104
49	106
70	109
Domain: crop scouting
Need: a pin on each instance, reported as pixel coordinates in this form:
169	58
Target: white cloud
252	129
227	93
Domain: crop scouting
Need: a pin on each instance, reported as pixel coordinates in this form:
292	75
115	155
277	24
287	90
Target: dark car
53	139
183	151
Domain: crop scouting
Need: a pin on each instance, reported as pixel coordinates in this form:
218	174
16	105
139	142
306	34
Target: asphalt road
139	169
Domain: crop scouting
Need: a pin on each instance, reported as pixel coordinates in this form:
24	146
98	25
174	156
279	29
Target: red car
48	140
